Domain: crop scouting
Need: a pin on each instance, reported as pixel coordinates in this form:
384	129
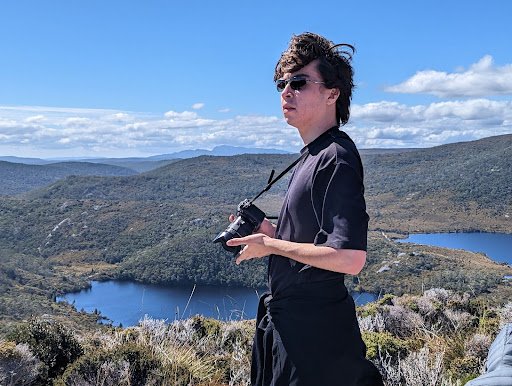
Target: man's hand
266	227
256	246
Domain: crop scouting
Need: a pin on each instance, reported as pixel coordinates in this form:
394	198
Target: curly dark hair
334	65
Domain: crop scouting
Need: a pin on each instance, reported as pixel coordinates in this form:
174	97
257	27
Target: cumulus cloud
482	79
80	132
391	124
185	115
198	106
89	132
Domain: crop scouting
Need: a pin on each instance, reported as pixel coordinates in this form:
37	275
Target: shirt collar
321	141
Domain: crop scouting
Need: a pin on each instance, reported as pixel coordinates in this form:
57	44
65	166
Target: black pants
309	336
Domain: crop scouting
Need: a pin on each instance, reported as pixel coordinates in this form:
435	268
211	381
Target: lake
497	246
125	303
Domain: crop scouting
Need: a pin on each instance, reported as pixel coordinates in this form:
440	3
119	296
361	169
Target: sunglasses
296	83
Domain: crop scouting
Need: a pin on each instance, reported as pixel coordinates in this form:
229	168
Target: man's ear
333	96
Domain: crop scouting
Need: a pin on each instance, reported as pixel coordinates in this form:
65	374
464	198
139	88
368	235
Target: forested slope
158	226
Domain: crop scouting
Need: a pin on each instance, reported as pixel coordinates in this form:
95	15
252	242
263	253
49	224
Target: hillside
477	171
140	165
463	186
157	226
460	186
19	178
473	171
225	180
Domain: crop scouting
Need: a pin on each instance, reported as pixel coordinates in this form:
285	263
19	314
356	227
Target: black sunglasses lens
297	84
280	84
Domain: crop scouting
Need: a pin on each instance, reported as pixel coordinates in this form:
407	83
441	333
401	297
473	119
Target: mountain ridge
19	178
471	170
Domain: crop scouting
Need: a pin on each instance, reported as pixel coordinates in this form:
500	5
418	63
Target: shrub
51	342
478	346
465	367
401	321
18	366
422	368
206	327
386	300
506	314
383	342
128	364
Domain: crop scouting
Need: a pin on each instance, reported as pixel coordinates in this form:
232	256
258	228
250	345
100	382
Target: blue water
125	303
497	246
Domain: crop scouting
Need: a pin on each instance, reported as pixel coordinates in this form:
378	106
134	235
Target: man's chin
288	117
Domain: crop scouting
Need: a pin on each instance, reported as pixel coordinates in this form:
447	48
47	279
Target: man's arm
258	245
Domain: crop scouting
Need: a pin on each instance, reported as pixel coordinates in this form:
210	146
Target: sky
128	78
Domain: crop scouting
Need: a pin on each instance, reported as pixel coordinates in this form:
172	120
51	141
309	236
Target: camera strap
273	181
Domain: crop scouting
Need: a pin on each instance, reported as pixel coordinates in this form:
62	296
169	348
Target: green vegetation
157	227
436	338
53	344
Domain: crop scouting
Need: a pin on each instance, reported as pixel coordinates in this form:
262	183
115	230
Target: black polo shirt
324	205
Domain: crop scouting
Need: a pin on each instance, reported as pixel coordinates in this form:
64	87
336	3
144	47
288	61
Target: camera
249	217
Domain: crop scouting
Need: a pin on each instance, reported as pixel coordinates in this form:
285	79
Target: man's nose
287	91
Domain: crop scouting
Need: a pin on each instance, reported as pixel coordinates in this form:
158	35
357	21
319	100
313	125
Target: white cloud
35	119
77	122
482	79
119	117
185	115
80	132
198	106
226	110
390	124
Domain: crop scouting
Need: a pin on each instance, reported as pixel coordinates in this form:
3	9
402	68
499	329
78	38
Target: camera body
249	217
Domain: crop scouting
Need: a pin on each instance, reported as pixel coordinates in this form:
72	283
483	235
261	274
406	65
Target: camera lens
238	228
249	218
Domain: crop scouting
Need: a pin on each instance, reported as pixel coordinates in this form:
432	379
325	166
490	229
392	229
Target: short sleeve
338	199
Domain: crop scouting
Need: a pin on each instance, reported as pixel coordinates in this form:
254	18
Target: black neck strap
305	152
272	182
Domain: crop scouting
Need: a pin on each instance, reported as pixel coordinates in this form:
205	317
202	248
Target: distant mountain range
477	170
222	150
143	164
18	178
401	171
22	174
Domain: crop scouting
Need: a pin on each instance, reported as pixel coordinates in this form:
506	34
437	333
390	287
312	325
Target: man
307	332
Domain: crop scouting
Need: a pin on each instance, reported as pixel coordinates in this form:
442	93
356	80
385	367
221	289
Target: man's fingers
240	257
237	241
247	240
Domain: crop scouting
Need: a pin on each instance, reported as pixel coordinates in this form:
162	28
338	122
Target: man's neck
309	135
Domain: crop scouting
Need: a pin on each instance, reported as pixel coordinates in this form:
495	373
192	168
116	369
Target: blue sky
134	78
